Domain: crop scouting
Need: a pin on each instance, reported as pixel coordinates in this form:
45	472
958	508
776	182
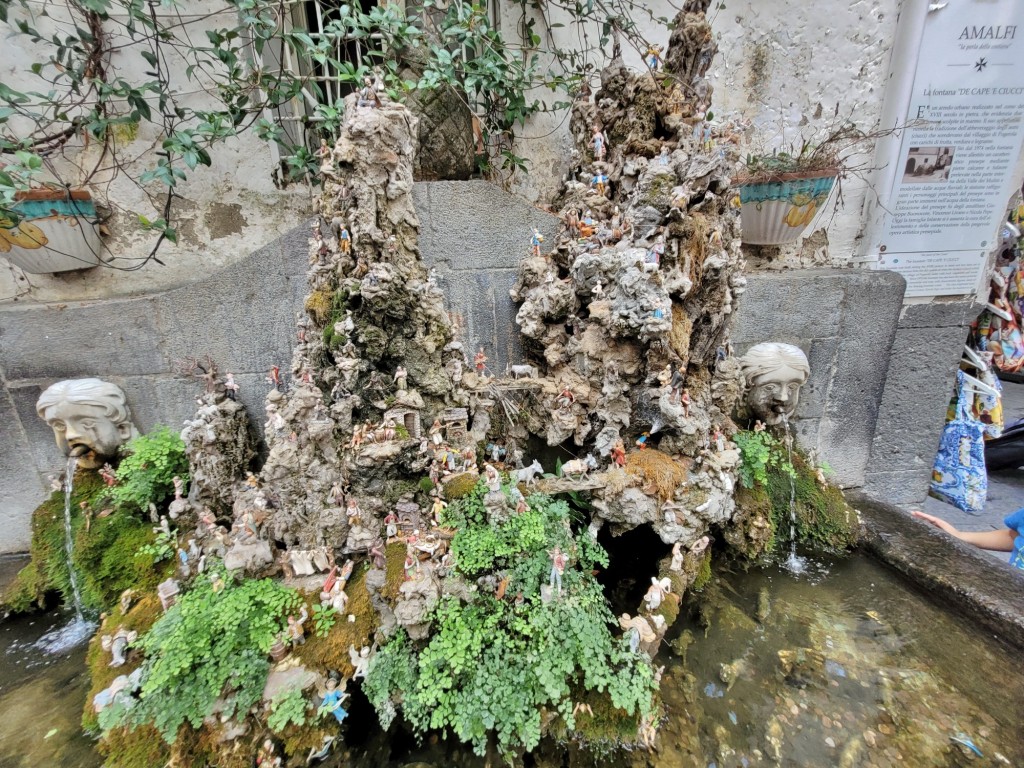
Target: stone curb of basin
954	573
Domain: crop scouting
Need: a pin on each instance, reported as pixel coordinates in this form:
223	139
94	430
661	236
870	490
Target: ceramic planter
58	232
777	212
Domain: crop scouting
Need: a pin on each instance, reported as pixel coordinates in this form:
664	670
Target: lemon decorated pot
776	212
55	231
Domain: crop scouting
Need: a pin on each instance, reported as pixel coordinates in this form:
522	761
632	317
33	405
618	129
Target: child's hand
938	522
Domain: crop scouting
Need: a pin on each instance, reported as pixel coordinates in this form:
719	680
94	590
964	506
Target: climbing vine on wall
74	97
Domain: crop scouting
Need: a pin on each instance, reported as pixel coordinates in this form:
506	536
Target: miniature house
408	418
456	422
168	591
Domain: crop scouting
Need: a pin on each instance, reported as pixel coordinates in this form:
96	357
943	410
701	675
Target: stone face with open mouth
90	419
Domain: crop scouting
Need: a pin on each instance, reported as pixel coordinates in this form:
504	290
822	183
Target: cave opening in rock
632	561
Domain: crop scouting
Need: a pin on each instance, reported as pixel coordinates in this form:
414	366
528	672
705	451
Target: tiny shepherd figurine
536	238
619	453
295	631
230	386
274	377
344	241
368	96
599	183
107	473
654	57
558	563
480	361
401	378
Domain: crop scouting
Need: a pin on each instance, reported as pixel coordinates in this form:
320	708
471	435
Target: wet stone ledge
959	576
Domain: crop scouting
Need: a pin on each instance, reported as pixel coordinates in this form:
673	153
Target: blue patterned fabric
959	475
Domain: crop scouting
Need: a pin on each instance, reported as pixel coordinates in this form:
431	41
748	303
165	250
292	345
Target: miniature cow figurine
528	474
523	371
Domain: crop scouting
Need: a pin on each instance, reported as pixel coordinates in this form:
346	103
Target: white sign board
954	171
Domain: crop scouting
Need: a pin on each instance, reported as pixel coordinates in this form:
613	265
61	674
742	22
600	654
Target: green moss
460	486
139	748
394	570
704	574
47	573
318	305
822	515
142	614
108	562
330	652
26	593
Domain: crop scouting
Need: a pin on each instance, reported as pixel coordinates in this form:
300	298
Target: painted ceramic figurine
656	592
480	361
295	631
344	241
676	566
400	378
558	563
230	386
618	453
368	96
599	183
107	473
536	238
599	143
653	57
267	756
332	701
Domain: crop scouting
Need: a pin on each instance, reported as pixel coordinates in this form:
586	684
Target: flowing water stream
79	629
795	563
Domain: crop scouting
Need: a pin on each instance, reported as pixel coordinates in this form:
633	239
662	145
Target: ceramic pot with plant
781	193
51	230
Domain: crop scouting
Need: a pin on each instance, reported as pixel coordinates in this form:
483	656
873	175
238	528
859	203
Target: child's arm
1000	541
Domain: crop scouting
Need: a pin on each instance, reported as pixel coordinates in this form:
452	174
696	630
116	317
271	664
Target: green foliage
146	473
324	618
392	670
492	666
759	452
104	550
211	644
161	549
823	517
287	707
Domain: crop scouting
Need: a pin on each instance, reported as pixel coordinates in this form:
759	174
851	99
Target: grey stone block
21	486
476	225
845	321
44	454
81	340
937	314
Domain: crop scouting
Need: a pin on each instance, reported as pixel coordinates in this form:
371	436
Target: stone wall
925	356
845	321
